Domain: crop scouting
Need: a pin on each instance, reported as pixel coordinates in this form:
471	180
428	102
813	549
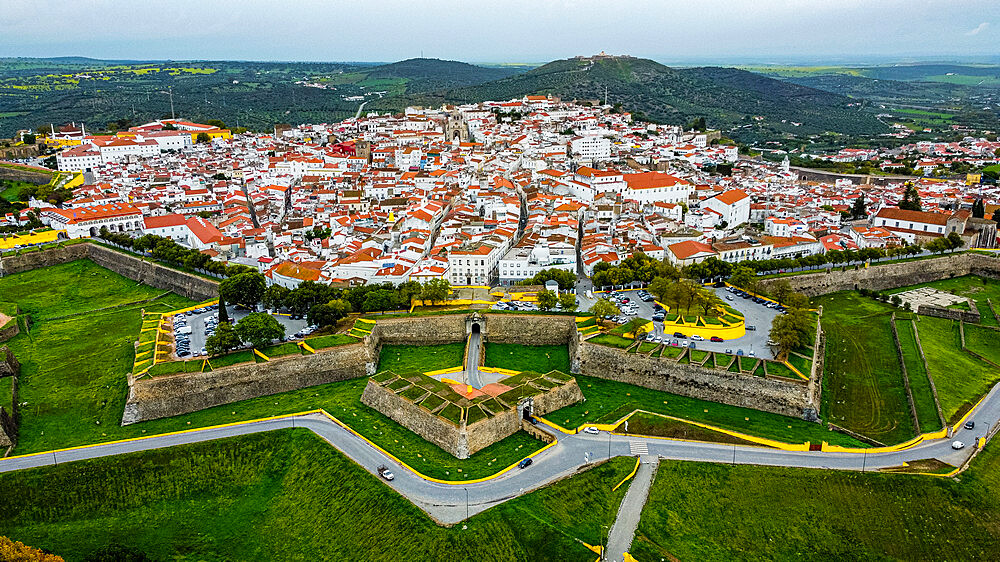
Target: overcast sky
731	31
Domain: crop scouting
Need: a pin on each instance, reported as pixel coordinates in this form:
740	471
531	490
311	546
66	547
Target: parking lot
201	320
756	315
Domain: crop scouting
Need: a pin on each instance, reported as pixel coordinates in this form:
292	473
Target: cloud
978	29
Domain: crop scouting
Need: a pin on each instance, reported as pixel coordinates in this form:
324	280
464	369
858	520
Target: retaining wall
790	398
170	395
949	313
10	331
891	275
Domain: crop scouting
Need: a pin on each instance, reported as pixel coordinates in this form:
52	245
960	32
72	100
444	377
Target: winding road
454	502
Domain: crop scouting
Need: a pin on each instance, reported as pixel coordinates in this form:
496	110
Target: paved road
620	538
451	503
472	361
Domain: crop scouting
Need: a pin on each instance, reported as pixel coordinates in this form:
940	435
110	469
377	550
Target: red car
625	301
717	339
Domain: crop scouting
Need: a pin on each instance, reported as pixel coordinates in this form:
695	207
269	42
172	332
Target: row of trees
637	268
165	249
565	278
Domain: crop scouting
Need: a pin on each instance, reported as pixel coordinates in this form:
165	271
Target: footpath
620	537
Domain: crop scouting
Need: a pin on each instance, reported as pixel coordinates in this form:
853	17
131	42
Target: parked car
730	297
384	472
752	328
590	430
717	339
957	445
969	424
679	335
696	337
525	463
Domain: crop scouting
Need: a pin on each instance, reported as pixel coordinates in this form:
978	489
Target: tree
954	241
742	277
201	138
858	209
14	550
259	329
223	340
216	123
568	301
246	288
634	327
660	288
709	302
911	199
223	312
604	307
274	297
379	299
781	289
327	314
547	299
435	290
790	331
28	139
978	209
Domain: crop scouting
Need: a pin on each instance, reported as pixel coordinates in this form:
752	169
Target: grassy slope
920	385
863	386
608	401
961	379
800	514
408	358
538	358
284	496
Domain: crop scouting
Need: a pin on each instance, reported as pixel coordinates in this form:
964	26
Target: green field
701	511
285	495
609	401
11	189
863	387
920	385
961	378
984	341
421	358
538	358
69	288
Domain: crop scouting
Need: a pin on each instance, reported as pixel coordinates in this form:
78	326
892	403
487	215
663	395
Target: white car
591	430
957	445
696	337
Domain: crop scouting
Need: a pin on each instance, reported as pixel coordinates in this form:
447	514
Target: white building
87	221
524	262
591	148
733	206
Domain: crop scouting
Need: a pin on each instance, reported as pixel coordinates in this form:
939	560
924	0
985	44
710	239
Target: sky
529	31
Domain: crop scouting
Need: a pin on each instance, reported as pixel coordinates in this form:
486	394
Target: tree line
165	249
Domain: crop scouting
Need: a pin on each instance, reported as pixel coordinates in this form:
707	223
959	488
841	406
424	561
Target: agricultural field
285	496
537	358
608	401
787	513
863	388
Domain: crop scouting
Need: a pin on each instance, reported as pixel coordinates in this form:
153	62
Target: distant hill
724	96
427	75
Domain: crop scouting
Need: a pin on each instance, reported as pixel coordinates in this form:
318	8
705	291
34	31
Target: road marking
638	447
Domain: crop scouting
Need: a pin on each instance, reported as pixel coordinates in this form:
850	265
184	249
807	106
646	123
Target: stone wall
949	313
170	395
9	366
10	331
128	265
529	329
37	178
439	431
483	433
791	398
891	275
421	330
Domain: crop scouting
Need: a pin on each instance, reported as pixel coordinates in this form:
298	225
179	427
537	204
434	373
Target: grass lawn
984	341
977	288
863	386
611	340
421	358
537	358
920	385
609	401
801	514
648	424
285	495
71	287
961	379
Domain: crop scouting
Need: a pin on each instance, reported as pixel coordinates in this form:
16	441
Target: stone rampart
28	176
439	431
891	275
420	330
10	330
790	398
11	264
170	395
530	329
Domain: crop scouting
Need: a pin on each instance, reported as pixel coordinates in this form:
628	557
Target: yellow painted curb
630	475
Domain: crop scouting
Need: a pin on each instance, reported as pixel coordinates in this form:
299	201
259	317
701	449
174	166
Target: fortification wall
892	275
10	331
160	397
483	433
439	431
529	329
971	316
421	330
789	398
15	174
12	264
